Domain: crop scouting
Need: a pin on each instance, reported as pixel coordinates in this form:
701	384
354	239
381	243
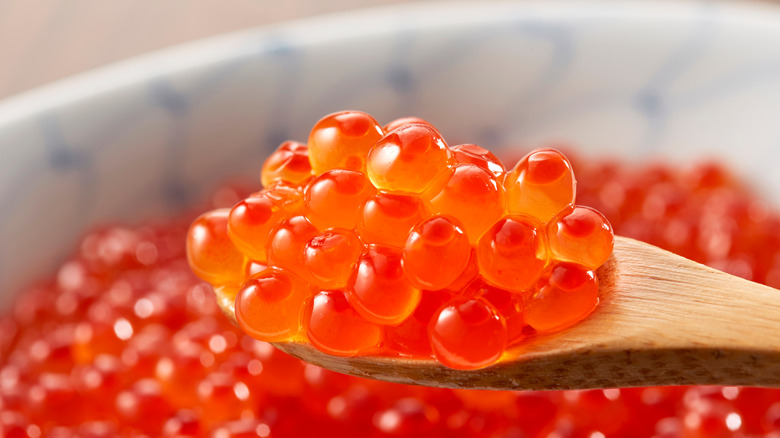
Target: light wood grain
662	320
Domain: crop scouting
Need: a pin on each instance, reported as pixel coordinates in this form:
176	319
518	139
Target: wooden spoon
662	320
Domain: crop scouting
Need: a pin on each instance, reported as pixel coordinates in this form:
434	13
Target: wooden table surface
45	40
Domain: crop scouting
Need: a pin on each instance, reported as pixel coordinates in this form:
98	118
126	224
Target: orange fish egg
269	305
387	218
472	195
286	244
540	185
467	333
397	123
512	254
252	219
411	336
378	290
342	141
211	253
581	235
564	295
289	163
334	199
408	159
478	156
436	253
333	326
330	258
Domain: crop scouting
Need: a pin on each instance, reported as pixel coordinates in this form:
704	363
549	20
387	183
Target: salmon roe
290	163
342	141
124	341
393	214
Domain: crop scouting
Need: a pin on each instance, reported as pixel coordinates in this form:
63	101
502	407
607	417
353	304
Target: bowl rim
345	25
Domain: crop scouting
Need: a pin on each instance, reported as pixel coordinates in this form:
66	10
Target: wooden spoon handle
686	304
666	320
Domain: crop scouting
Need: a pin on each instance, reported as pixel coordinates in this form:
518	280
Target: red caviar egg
472	195
250	222
408	417
467	275
334	327
287	242
436	253
342	141
54	399
176	369
243	428
540	185
210	252
143	406
269	305
581	235
330	258
510	305
403	121
15	425
478	156
253	268
333	199
387	218
184	423
221	396
512	254
467	333
564	295
378	289
285	195
408	159
411	336
289	163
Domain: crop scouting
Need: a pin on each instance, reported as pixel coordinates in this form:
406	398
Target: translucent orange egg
564	295
333	326
467	275
408	159
467	333
512	254
411	336
342	141
378	290
289	163
473	154
436	253
540	185
331	257
472	195
251	220
387	218
269	305
581	235
334	199
397	123
510	305
210	252
284	195
253	268
287	242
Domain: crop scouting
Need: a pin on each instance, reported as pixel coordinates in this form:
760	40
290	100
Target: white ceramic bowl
146	136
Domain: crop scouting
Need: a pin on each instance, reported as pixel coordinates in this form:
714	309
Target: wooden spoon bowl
662	320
